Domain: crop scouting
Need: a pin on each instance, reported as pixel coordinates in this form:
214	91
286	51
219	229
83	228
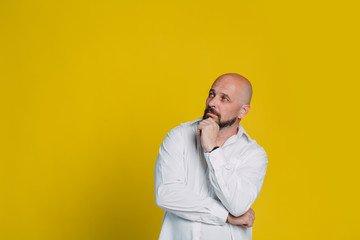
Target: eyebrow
224	94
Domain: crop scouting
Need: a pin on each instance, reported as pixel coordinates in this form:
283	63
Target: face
223	104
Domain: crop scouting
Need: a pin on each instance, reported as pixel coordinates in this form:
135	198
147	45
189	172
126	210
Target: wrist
212	149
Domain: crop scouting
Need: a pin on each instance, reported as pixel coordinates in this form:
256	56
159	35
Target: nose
213	102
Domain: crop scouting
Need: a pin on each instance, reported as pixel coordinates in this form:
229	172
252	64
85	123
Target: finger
208	121
211	120
202	124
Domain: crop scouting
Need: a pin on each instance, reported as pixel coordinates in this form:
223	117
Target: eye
224	98
211	94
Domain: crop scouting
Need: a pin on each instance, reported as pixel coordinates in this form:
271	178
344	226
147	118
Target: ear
244	110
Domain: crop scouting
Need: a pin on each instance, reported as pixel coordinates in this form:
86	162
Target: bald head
240	84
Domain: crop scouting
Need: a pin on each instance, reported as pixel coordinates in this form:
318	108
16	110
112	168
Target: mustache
212	111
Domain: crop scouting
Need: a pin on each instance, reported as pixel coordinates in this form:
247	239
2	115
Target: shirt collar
234	138
242	131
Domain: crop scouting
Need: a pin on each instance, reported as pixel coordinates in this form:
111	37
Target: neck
225	133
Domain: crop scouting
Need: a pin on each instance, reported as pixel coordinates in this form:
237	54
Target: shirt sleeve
171	190
237	183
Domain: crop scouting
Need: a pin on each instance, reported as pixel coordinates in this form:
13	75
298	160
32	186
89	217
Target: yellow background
89	90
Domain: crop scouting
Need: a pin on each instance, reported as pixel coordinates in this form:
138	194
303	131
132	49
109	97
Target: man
209	172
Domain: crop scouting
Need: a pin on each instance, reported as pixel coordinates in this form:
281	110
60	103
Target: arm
237	188
236	185
171	191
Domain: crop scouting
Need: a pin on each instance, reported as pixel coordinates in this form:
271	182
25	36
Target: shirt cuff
218	210
216	159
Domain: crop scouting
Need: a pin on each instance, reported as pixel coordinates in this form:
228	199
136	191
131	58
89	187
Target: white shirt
197	190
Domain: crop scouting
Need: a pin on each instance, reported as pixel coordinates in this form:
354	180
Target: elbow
159	201
237	212
169	196
242	206
165	197
160	198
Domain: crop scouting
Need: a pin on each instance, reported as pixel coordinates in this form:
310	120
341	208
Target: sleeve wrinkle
171	190
238	189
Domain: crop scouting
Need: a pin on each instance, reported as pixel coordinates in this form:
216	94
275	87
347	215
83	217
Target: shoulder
252	148
183	130
191	124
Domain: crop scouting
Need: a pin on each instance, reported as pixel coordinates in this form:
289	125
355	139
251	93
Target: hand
245	220
208	131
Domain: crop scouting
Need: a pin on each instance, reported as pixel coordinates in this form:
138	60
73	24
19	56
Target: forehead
227	86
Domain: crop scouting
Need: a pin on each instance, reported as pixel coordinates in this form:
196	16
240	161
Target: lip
210	113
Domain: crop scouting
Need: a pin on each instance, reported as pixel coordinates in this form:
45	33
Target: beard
222	124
